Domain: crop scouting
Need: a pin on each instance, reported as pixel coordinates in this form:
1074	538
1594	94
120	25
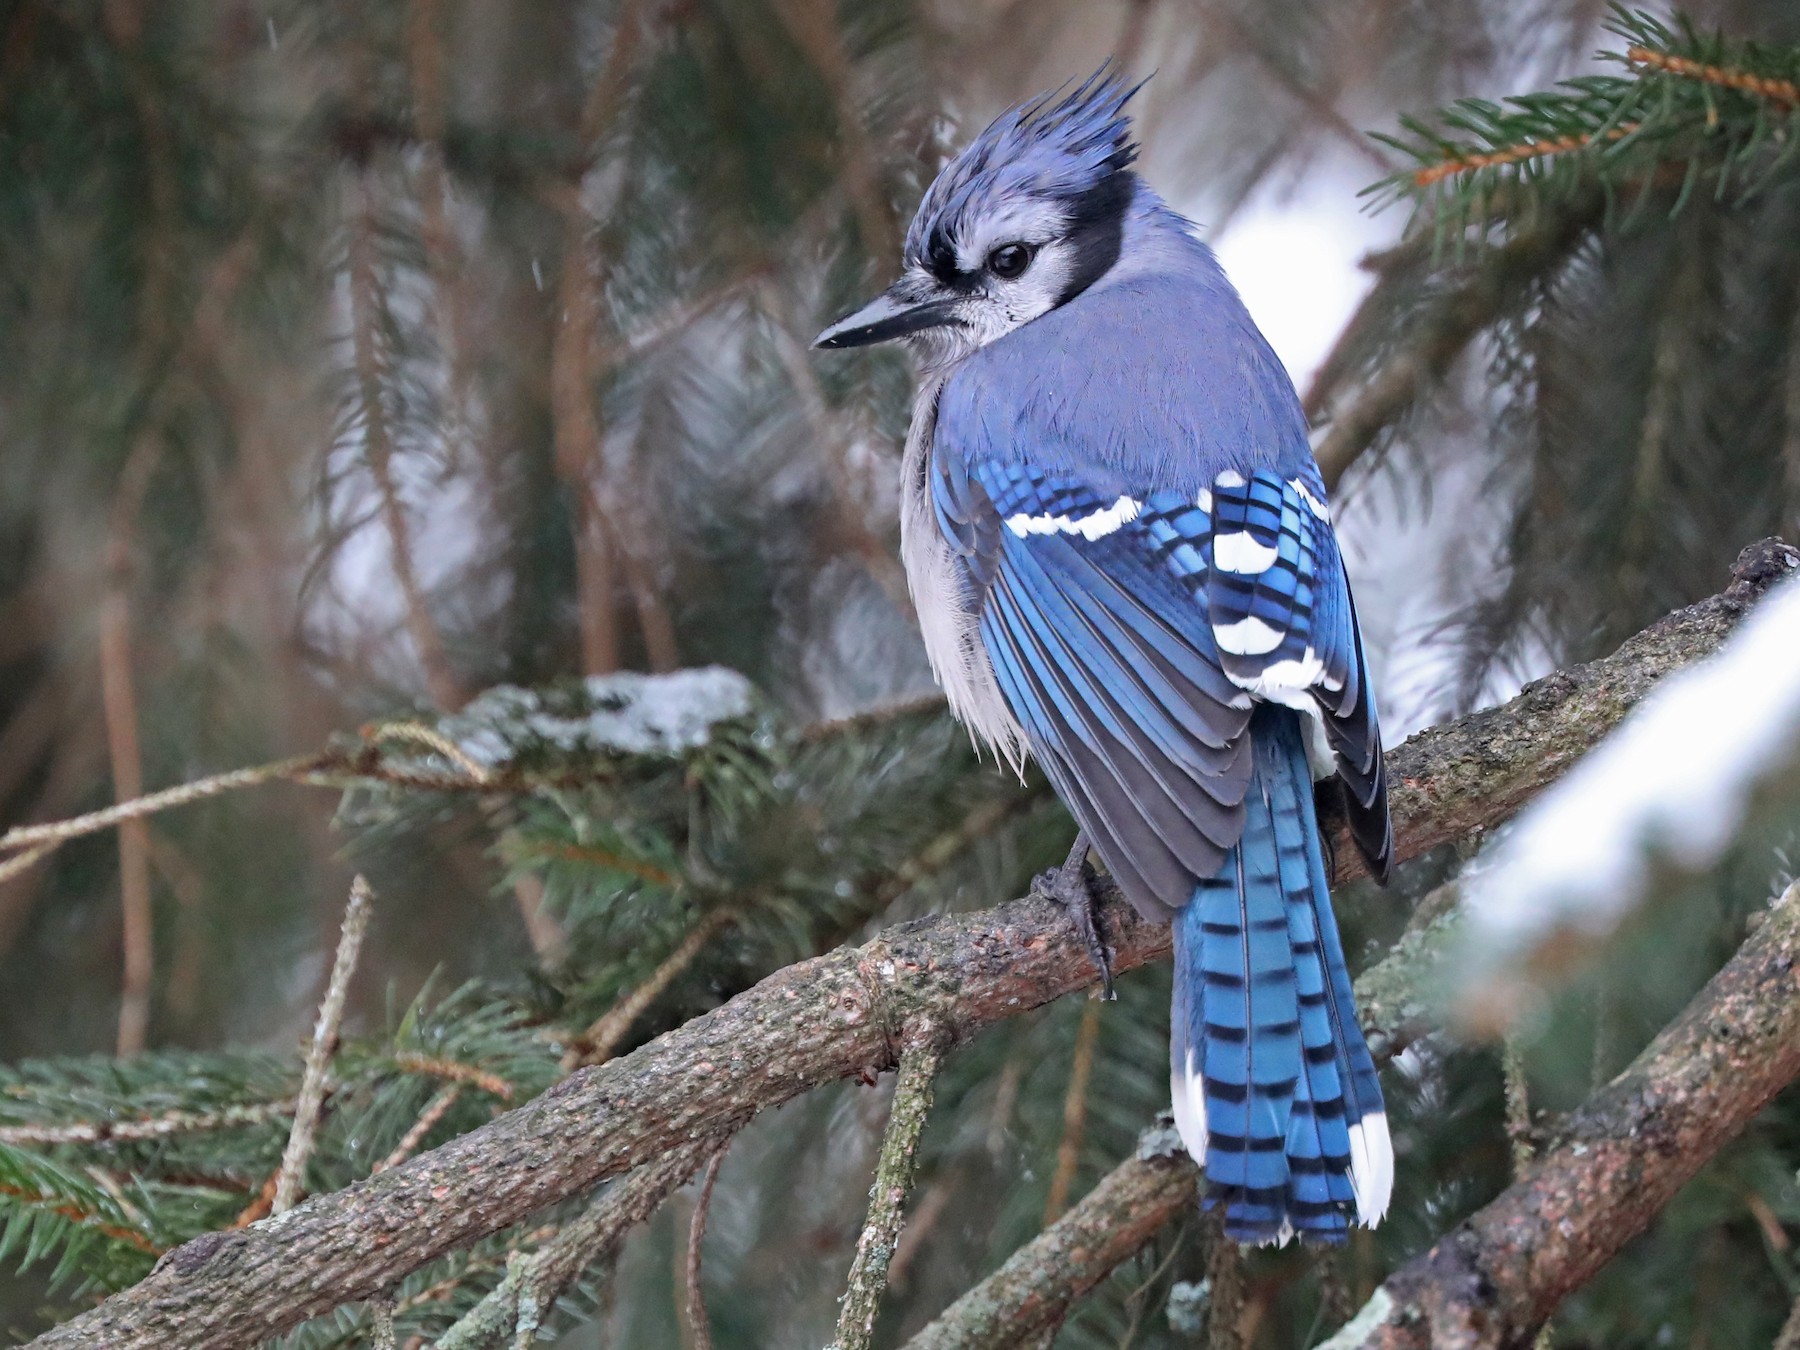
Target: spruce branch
820	1020
1775	90
1709	108
1075	1101
453	1071
149	1127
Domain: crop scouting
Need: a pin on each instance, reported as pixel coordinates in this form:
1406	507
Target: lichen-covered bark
832	1017
894	1172
1495	1278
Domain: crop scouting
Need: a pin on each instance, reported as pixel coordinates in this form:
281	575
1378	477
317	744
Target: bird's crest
1059	145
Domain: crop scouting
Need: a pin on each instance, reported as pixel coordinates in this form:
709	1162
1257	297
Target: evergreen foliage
306	307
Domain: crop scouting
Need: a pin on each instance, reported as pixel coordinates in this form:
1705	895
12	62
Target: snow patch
1672	785
620	714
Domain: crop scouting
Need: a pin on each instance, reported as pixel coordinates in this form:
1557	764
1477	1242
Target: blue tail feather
1275	1092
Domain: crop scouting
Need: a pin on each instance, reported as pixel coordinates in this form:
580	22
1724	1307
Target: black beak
886	317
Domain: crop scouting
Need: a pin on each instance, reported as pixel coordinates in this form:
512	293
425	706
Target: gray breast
941	592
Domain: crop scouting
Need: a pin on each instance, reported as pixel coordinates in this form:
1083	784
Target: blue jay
1124	565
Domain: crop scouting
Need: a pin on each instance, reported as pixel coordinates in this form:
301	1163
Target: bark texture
843	1014
1494	1279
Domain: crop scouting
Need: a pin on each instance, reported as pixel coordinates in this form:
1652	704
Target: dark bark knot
1762	564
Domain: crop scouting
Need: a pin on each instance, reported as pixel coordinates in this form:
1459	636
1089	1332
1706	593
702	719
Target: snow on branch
624	713
1712	750
1494	1279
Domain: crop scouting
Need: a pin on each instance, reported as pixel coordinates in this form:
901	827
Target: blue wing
1101	652
1132	652
1285	627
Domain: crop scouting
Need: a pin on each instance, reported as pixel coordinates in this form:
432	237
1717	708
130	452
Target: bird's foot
1071	886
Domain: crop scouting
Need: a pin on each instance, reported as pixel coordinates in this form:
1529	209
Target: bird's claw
1071	887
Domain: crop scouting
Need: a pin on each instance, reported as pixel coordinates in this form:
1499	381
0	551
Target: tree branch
894	1172
814	1022
522	1302
1616	1162
1453	781
1034	1290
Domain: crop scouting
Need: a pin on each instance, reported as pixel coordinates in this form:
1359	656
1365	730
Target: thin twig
894	1173
454	1071
1516	154
600	1042
1038	1284
1783	92
1789	1338
24	862
119	704
1068	1151
381	1314
522	1302
699	1325
150	1127
409	1143
1225	1269
324	1043
365	329
1518	1105
1518	1128
59	832
598	857
417	733
443	260
260	1204
574	363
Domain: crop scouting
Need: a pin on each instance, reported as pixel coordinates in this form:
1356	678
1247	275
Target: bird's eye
1010	260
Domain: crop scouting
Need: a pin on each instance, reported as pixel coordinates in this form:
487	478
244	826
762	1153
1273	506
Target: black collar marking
1097	230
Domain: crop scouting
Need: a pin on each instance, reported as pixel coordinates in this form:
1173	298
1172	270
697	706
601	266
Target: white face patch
996	306
1243	554
1094	525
